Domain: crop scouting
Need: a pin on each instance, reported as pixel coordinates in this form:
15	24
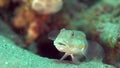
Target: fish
71	42
74	43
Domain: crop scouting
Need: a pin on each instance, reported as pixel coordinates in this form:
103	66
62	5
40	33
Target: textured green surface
113	2
6	31
12	56
109	33
103	23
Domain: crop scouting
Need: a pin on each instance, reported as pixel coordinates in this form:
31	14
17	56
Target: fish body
75	44
71	42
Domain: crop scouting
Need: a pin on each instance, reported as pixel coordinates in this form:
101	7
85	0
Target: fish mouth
69	50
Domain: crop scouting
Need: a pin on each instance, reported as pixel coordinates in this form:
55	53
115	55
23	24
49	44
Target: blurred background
29	22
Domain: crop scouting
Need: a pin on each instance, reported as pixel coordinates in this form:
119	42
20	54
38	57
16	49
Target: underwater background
27	29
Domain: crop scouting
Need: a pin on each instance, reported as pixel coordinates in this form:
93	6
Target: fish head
71	42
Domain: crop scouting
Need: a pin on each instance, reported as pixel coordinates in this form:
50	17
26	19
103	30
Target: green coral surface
16	57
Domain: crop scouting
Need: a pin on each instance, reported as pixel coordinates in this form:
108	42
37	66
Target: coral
101	23
29	20
4	3
25	59
47	7
35	24
109	33
26	24
9	33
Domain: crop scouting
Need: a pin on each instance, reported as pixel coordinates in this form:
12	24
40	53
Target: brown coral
4	3
27	19
35	24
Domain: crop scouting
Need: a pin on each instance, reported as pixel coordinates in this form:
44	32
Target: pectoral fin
94	51
74	59
64	56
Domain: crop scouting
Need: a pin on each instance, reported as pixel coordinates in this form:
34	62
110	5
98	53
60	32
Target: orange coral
4	3
23	17
29	20
35	29
35	24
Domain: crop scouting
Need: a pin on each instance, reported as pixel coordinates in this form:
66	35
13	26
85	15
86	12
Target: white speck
4	40
13	47
6	62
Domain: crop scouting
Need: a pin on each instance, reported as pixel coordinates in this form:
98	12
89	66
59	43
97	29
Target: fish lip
69	50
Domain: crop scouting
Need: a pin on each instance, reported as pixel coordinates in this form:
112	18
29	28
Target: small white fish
71	42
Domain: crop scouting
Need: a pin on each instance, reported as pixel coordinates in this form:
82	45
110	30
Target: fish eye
61	43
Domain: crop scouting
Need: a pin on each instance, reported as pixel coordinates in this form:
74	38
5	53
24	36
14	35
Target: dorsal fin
53	34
